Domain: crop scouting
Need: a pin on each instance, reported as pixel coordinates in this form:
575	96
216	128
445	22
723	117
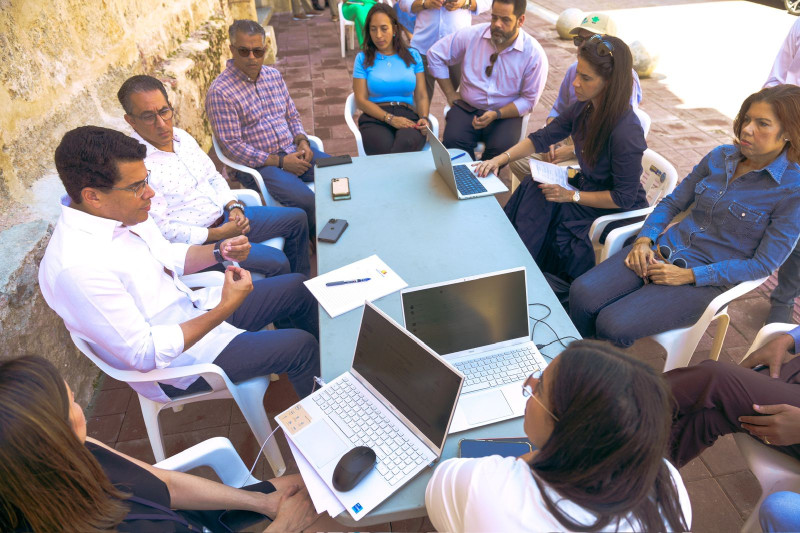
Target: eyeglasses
136	188
533	392
604	48
245	52
150	118
666	252
492	60
578	40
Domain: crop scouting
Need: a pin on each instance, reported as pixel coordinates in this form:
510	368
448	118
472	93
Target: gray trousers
788	281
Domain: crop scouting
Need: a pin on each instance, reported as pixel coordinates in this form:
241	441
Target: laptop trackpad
479	408
320	444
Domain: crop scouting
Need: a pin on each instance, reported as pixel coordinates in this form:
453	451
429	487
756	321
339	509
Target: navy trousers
788	288
293	349
611	302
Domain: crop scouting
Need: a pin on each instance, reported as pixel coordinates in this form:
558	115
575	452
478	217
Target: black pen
334	283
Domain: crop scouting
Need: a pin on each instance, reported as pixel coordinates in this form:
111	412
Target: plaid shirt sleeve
292	115
224	120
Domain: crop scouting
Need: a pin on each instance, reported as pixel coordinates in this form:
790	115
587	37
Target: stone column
243	9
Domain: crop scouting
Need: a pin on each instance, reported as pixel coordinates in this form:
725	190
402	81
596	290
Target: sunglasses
492	60
604	48
245	52
666	252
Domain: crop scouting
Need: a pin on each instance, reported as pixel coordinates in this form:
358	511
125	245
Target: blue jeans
269	222
284	301
780	512
291	190
611	302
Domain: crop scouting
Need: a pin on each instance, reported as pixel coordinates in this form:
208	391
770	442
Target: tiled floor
722	490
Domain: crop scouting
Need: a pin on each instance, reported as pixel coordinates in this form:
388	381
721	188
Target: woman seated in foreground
389	88
743	218
553	221
55	478
600	422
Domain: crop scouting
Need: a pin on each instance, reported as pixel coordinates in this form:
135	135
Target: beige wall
61	64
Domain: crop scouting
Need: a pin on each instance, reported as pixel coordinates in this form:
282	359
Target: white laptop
460	177
398	399
480	325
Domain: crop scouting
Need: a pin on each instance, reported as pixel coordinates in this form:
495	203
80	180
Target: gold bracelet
509	157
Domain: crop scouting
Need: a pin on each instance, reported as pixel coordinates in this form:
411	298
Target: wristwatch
576	197
218	252
234	205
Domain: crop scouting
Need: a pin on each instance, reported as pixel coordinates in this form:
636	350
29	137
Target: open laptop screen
416	382
463	315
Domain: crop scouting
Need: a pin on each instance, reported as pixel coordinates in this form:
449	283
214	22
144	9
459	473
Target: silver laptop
480	325
460	177
398	398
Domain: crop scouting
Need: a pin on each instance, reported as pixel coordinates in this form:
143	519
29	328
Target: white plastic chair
658	179
315	142
481	146
681	343
775	471
248	395
350	110
217	453
346	25
644	118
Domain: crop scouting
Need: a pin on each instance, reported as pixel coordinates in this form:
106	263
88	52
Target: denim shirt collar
774	169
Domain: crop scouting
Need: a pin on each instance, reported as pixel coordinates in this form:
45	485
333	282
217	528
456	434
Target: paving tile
138	449
110	401
104	428
743	490
712	511
198	415
109	383
694	470
723	457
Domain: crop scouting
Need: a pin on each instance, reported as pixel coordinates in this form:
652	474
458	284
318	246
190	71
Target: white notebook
339	299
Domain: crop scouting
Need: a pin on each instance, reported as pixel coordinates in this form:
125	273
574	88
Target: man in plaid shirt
257	124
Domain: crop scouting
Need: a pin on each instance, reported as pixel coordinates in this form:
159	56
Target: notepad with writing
341	298
545	172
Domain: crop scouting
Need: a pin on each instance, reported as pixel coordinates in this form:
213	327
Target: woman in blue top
742	206
554	221
389	87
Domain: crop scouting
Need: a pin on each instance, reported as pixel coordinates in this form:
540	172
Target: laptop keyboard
497	369
365	425
466	182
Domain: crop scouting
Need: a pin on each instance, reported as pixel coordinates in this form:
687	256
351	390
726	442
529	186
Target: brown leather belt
398	104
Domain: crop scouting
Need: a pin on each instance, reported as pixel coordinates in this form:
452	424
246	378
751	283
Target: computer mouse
352	468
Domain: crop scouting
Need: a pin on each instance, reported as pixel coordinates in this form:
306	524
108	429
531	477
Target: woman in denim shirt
743	219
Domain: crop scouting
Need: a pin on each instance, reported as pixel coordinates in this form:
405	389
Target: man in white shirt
786	69
193	203
113	279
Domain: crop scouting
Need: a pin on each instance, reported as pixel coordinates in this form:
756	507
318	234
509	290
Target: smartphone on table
340	188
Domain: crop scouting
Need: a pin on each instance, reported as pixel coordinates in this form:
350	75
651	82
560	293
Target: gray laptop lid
420	387
444	165
469	313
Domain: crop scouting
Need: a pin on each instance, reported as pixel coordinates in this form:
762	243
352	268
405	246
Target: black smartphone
486	447
333	230
333	161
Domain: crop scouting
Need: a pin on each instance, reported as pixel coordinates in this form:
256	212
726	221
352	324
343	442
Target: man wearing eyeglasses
114	280
193	203
257	124
503	73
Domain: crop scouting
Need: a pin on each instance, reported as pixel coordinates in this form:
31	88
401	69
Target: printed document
545	172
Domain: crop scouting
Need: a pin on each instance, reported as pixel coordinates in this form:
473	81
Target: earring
787	140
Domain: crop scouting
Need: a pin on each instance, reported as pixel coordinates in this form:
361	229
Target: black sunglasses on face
245	52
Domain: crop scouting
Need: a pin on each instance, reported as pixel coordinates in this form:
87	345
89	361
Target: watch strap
280	161
218	252
234	205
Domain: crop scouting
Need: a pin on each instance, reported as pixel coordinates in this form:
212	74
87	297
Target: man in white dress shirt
193	203
113	278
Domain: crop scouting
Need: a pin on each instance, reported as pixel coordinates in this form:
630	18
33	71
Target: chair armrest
217	453
600	223
728	296
767	333
247	197
616	238
315	142
434	125
213	374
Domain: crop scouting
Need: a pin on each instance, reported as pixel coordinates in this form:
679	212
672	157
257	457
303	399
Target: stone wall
61	64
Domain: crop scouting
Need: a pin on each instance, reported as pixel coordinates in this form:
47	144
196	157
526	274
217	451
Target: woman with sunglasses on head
554	221
734	218
600	423
389	88
55	478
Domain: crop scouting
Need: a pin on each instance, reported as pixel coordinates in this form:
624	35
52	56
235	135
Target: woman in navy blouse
389	87
742	206
553	221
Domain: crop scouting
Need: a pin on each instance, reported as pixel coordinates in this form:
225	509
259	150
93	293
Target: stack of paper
339	299
545	172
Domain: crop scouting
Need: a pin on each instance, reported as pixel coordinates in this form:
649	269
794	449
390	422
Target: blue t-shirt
389	79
